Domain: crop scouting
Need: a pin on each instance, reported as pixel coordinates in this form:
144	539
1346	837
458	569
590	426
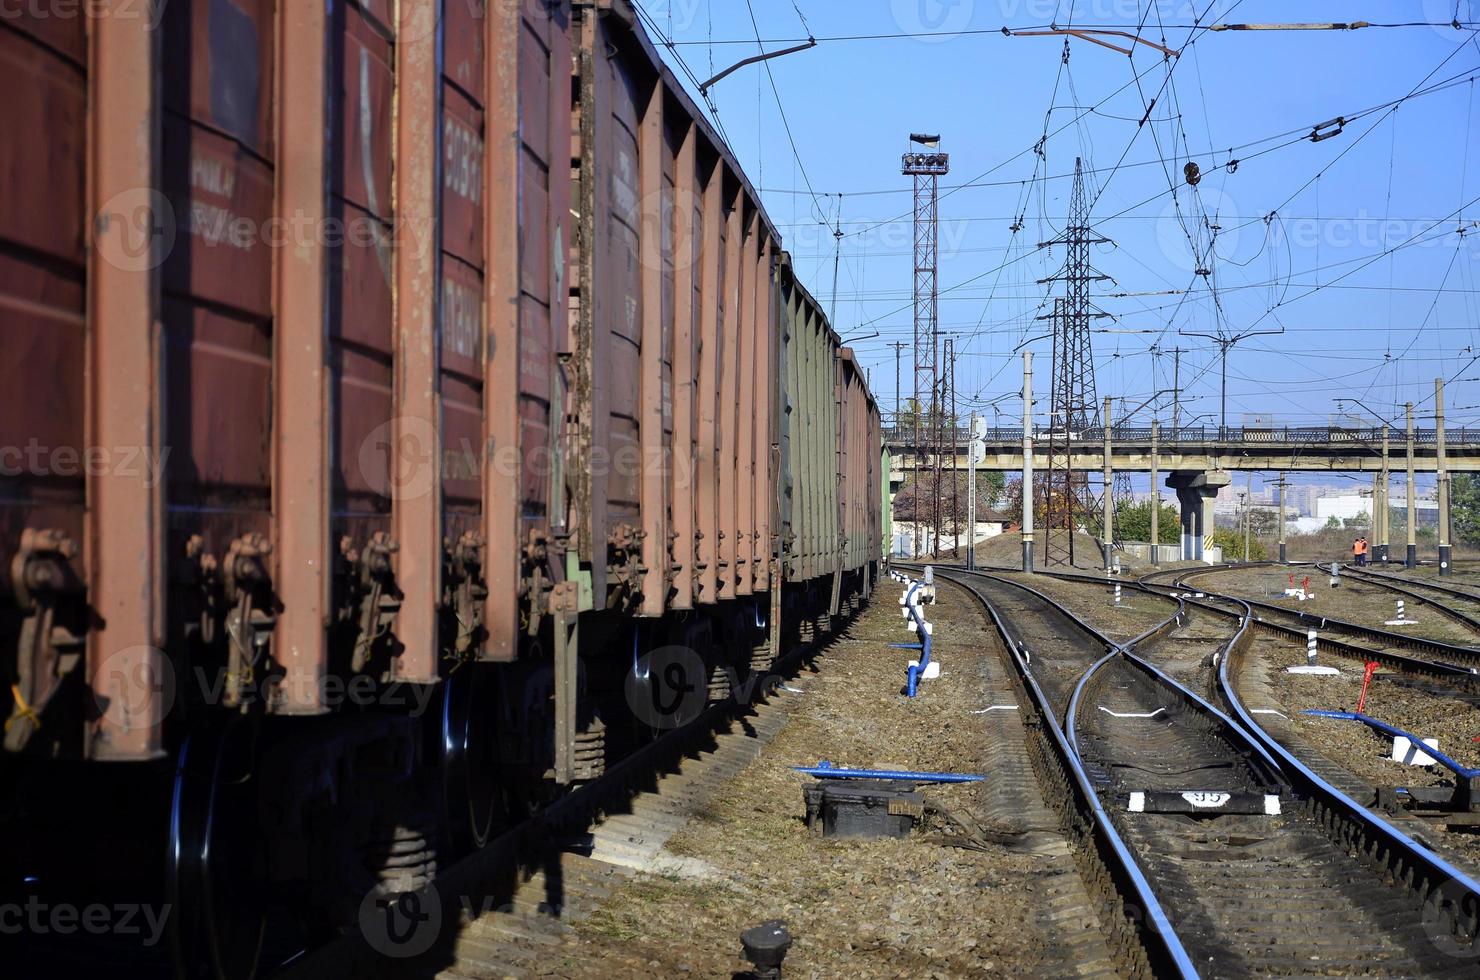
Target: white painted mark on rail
1268	711
1131	714
996	707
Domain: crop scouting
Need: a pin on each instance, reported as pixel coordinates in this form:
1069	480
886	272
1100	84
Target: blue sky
1302	226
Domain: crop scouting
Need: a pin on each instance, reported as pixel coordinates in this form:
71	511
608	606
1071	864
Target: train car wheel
218	912
470	771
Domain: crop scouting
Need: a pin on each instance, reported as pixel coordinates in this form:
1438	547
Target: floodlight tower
926	166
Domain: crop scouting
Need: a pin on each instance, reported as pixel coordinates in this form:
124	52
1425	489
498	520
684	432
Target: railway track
1269	868
1424	592
1450	663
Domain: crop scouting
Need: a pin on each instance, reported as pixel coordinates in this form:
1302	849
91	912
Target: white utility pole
1027	523
974	453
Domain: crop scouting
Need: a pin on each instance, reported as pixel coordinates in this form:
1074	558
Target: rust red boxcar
437	350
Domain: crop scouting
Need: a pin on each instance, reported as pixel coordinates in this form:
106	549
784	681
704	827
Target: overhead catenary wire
999	31
1272	237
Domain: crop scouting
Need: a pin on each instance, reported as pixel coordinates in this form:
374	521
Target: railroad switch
1458	806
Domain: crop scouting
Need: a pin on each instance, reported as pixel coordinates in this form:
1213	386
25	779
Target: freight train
384	386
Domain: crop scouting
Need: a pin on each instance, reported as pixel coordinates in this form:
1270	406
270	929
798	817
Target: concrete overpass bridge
1199	460
1319	449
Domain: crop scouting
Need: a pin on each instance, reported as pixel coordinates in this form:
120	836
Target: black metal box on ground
863	807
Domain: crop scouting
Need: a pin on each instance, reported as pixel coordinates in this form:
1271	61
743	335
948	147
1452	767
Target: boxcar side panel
729	381
765	374
528	236
745	474
654	409
711	317
687	228
459	141
43	294
794	446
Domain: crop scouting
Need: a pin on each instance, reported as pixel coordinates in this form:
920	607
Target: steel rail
1126	650
1466	677
1468	656
1410	588
1449	896
1165	951
1446	891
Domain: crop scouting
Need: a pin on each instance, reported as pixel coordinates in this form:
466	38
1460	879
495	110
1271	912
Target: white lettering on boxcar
624	187
215	224
462	163
462	319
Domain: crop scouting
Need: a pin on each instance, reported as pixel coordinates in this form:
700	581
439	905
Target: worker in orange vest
1359	549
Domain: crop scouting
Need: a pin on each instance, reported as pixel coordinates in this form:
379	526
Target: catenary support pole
1283	479
1027	520
1383	513
971	451
1155	495
1373	546
1443	467
1410	557
1108	505
1248	513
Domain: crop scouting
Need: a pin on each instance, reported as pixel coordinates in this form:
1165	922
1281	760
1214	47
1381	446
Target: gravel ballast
913	907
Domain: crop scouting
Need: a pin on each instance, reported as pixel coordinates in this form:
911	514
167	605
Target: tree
1232	543
1134	522
1359	523
1464	508
1333	523
989	492
990	487
909	412
1263	522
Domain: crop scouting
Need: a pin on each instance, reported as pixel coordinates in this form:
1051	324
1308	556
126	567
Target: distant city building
1343	507
1302	500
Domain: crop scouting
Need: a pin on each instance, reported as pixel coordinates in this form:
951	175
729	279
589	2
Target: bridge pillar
1196	491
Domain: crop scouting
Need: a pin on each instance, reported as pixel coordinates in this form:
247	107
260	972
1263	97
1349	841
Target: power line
785	123
1004	31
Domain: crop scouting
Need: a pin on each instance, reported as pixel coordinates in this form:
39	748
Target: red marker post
1367	673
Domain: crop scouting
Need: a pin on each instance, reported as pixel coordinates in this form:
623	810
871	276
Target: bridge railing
1140	435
